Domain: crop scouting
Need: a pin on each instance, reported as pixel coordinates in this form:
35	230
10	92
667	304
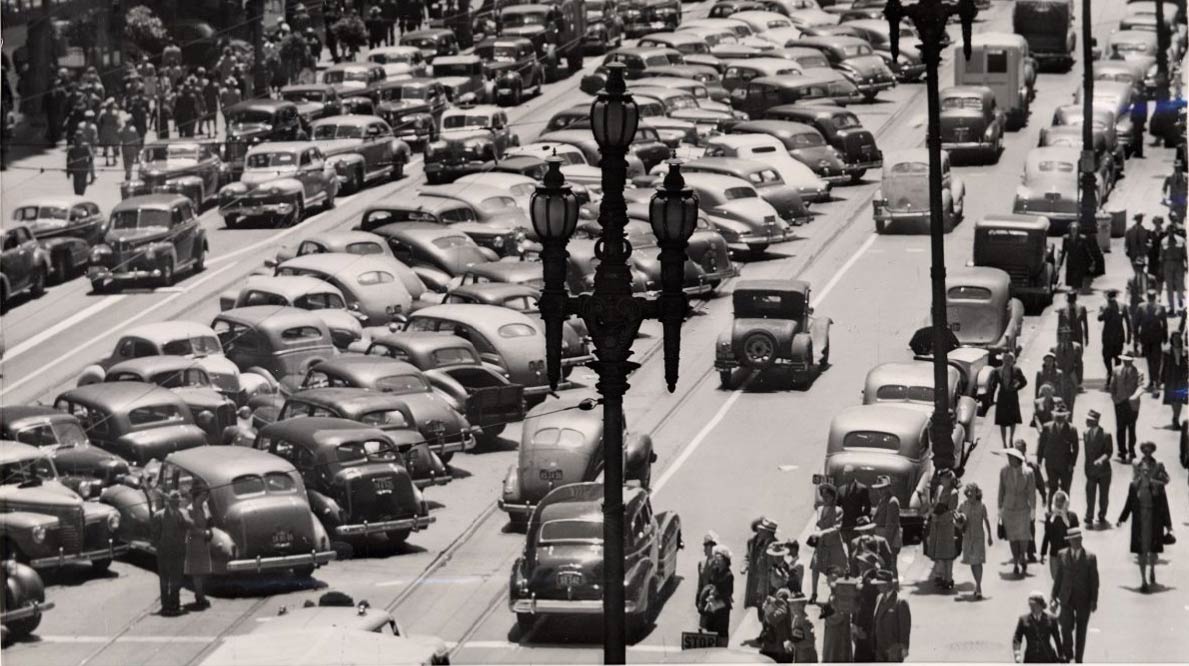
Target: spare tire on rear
758	350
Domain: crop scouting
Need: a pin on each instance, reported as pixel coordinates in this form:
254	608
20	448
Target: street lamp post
1089	184
612	314
930	18
1162	38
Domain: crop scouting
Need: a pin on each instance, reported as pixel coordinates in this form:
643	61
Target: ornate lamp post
930	17
612	314
1089	182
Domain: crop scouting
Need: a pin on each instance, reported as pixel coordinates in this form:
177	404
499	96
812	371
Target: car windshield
448	242
155	415
419	42
1054	166
402	384
1130	47
190	377
902	392
364	247
962	103
453	355
57	433
867	439
520	20
303	95
454	69
385	417
248	116
857	50
845	120
461	120
404	92
680	102
29	470
326	132
732	193
271	160
807	140
381	217
968	293
390	58
909	169
141	218
504	53
338	76
169	152
562	438
561	531
272	482
372	450
31	213
763	305
811	61
200	345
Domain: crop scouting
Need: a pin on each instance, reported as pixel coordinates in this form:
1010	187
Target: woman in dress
715	598
1058	520
109	132
837	646
756	568
940	544
1147	508
1017	502
830	550
976	530
1175	369
1006	383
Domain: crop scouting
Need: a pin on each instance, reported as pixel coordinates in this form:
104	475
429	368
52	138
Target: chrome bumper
33	608
960	146
63	558
516	509
854	167
535	606
874	86
252	210
105	274
414	524
281	562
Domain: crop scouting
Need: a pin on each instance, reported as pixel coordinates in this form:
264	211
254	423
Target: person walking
198	536
892	624
1078	260
975	531
80	161
1051	375
169	526
210	103
1116	332
837	642
757	565
1097	466
941	531
1153	331
131	141
1139	121
1147	509
1068	357
109	132
1125	390
1005	384
1057	451
1037	639
1072	318
1041	490
716	597
1155	265
1173	258
867	541
376	30
389	12
90	132
1017	505
776	637
1135	243
1043	407
829	550
138	112
1058	521
863	619
887	519
164	114
855	499
1075	594
1176	374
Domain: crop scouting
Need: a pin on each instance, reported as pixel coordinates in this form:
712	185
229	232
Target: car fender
18	526
669	532
450	388
289	186
325	508
92	374
511	486
958	190
253	384
801	348
180	184
164	249
24	586
228	299
232	191
819	331
348	162
134	507
639	456
982	388
76	248
435	280
965	411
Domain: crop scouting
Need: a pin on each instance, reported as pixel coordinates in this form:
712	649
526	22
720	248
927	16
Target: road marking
697	441
508	645
821	295
126	639
50	332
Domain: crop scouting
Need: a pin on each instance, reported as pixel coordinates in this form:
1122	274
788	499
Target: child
804	639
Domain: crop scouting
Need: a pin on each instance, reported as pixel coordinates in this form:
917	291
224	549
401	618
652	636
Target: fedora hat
1073	533
882	481
710	538
1014	453
884	576
1093	415
1147	447
763	523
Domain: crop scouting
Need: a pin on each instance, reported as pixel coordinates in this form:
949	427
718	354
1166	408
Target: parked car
66	226
767	181
1018	245
1000	61
981	311
24	265
303	292
903	195
133	420
694	49
1102	116
353	242
1115	96
351	481
469	138
435	252
61	435
770	151
802	142
857	61
520	187
562	444
274	342
280	180
514	66
773	326
432	42
1106	170
763	93
45	524
644	16
411	107
747	222
908	64
1122	71
911	383
399	61
256	121
841	129
372	284
314	100
212	410
350	77
360	149
153	237
260	519
191	167
1049	186
1048	26
972	122
761	21
465	79
725	8
604	26
740	71
24	601
557	576
504	237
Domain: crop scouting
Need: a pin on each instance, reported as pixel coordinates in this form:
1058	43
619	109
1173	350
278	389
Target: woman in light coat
1017	505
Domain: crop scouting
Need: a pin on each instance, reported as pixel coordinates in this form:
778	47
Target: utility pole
255	10
1089	184
1161	55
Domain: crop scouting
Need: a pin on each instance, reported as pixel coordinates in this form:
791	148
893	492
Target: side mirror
270	262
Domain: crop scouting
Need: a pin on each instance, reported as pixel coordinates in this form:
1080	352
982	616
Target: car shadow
227	587
582	631
775	381
494	445
73	575
378	548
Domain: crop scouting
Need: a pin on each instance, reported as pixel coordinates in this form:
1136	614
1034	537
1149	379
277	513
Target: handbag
1169	538
1001	531
812	541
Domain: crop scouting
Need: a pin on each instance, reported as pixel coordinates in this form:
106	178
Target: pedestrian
1052	376
1043	406
1005	384
776	636
1058	521
1075	594
892	624
763	535
1097	443
1173	258
1174	189
709	541
1153	331
229	96
1135	243
1147	509
716	597
1116	332
1017	505
887	519
300	19
1139	121
794	567
109	132
1155	265
79	163
169	527
1176	375
332	11
863	619
1125	390
164	114
185	111
976	530
1068	357
90	132
804	636
210	103
1057	451
198	537
315	46
376	30
1038	632
837	642
855	499
131	141
1078	260
1041	490
138	113
828	548
1072	318
867	541
172	54
390	14
941	531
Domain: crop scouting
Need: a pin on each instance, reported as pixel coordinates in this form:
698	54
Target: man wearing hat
1077	257
887	518
803	636
169	527
756	568
1116	331
1098	447
80	159
1155	265
1135	243
1126	389
1152	330
1058	451
868	541
1075	593
1039	631
892	622
776	638
855	499
1069	358
1173	258
708	543
862	619
1072	317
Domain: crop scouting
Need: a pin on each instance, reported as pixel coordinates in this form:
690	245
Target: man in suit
862	621
1097	444
1058	451
1135	242
892	622
867	541
168	529
1072	317
887	518
1075	593
1152	330
1126	388
1040	631
855	500
1116	332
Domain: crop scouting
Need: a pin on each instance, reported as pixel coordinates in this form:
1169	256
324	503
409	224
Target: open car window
866	439
969	293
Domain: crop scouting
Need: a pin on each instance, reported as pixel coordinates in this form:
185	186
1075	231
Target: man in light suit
892	625
1075	593
887	518
867	541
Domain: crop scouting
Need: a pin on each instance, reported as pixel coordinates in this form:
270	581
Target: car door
377	146
17	259
185	232
309	173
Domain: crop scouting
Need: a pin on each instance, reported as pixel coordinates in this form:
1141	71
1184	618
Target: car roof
732	164
422	340
1063	153
344	237
892	418
498	179
475	109
151	365
368	366
998	39
325	430
14	413
467	192
978	276
488	316
291	146
150	201
835	40
582	501
495	290
351	66
713	181
273	317
164	331
811	110
399	48
641	50
767	63
1013	221
220	465
122	395
809	78
913	373
260	104
461	59
772	126
338	263
672	37
11	451
412	82
290	286
505	268
798	286
874	25
352	119
64	200
416	202
418	231
358	397
345	617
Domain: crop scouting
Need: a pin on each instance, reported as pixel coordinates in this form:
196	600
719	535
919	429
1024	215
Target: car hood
242	131
310	108
465	133
755	212
137	236
255	177
339	146
50	493
541	469
868	64
160	442
529	31
404	106
87	459
905	194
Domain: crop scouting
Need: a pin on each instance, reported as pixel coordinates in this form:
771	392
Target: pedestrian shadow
927	588
222	587
1158	588
75	575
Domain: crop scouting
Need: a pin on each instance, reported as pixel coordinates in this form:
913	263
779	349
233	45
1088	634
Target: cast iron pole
1089	185
1162	38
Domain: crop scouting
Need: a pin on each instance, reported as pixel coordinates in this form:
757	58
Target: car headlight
39	534
113	522
498	241
724	345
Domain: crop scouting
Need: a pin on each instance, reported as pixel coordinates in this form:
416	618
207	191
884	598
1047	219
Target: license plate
551	475
383	485
770	220
282	539
569	579
955	325
1053	196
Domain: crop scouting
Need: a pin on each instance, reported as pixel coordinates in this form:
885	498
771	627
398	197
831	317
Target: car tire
297	214
37	286
331	193
22	627
525	622
517	96
167	273
857	177
304	572
492	433
759	349
824	362
398	537
725	379
357	181
101	565
200	260
398	169
231	221
63	268
100	287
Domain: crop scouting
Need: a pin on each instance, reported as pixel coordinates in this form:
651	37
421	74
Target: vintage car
908	64
526	273
706	87
972	123
522	297
260	519
751	224
1001	62
841	129
800	141
911	383
432	42
465	79
764	178
183	166
62	436
1107	171
514	67
273	343
323	646
212	410
1116	96
724	8
281	180
152	237
709	259
360	149
359	104
532	158
558	574
354	481
641	17
561	443
763	20
1104	116
66	226
1049	186
45	524
437	253
694	49
313	100
399	61
583	139
981	310
469	138
604	26
255	121
520	187
303	292
773	153
903	195
349	77
1122	71
763	93
136	421
411	107
869	441
24	601
773	327
739	72
24	265
503	237
1018	245
477	389
1048	26
857	61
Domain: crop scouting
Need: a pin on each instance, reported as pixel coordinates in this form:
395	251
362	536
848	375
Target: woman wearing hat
977	528
1147	508
1058	520
776	637
830	550
1005	385
837	644
716	596
109	132
756	568
1017	505
1175	368
941	545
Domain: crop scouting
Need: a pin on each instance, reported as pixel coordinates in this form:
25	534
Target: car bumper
797	365
455	169
874	87
112	551
106	275
257	209
516	509
902	216
416	524
31	609
910	72
260	564
413	135
773	236
815	195
464	443
432	481
534	606
967	146
858	167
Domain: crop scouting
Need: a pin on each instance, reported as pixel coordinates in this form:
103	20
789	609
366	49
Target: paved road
724	456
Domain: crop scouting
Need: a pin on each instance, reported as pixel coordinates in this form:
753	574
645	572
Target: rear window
453	355
156	415
556	531
402	384
846	120
516	331
813	61
373	450
866	439
390	418
732	193
1010	236
1052	165
301	333
996	62
902	392
564	438
273	482
365	248
764	177
962	103
807	140
968	293
447	242
376	277
910	168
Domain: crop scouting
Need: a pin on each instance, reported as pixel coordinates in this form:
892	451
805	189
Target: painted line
508	645
821	295
697	441
50	332
126	639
